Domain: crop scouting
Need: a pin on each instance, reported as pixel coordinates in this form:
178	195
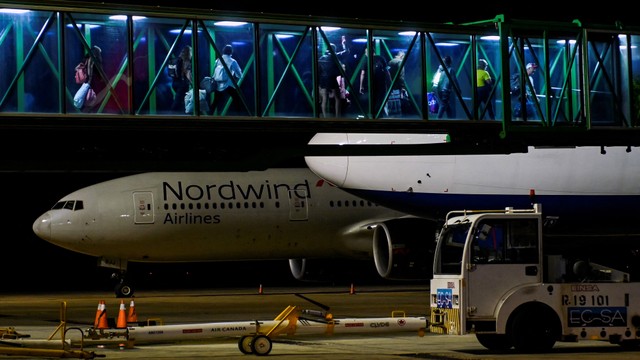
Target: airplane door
143	207
298	205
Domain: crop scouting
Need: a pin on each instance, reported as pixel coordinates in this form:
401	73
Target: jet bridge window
512	241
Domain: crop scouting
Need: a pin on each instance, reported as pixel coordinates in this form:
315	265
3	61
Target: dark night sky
433	12
444	11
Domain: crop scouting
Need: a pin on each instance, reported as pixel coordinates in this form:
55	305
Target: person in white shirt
225	87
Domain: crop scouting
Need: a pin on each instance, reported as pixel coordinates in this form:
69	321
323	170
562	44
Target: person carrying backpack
182	81
443	87
519	97
485	85
381	80
225	87
330	80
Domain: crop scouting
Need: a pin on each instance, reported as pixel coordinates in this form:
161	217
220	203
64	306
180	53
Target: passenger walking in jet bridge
530	95
182	83
443	86
531	90
225	87
380	82
485	84
399	96
93	61
329	66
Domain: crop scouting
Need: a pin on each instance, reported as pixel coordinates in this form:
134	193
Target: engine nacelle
332	270
311	269
403	249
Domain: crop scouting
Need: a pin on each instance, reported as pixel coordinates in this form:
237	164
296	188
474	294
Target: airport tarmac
39	316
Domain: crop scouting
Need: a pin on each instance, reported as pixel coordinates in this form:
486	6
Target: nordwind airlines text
226	192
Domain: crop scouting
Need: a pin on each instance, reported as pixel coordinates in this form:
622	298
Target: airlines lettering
233	191
191	219
596	316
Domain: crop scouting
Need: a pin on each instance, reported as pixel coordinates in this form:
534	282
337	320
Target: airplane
281	213
586	192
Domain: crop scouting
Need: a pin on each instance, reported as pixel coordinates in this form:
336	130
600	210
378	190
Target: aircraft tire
261	345
244	344
124	290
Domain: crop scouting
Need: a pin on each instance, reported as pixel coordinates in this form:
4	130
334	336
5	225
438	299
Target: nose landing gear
124	287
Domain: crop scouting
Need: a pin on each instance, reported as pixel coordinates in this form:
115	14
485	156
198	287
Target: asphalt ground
44	316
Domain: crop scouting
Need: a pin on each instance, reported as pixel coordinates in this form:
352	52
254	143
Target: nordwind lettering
232	191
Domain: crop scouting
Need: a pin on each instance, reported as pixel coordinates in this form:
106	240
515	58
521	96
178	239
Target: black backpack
381	71
174	68
327	67
514	84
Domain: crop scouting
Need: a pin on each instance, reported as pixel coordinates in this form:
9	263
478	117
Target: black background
427	11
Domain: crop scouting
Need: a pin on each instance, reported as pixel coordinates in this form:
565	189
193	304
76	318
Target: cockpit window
58	205
69	205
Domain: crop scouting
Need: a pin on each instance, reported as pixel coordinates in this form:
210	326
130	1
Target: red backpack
81	73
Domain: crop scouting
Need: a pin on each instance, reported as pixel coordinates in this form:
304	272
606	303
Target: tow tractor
493	277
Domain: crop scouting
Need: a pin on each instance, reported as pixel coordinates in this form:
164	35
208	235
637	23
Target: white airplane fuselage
579	184
200	216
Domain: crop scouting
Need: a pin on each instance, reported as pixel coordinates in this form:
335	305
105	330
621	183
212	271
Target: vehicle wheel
261	345
244	344
124	290
534	330
495	342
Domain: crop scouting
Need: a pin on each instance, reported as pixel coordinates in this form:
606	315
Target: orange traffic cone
122	316
260	290
133	316
352	290
101	316
98	313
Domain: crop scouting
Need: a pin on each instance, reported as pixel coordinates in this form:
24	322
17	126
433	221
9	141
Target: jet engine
310	269
403	248
332	270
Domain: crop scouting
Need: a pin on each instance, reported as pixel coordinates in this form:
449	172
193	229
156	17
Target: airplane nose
42	227
331	168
